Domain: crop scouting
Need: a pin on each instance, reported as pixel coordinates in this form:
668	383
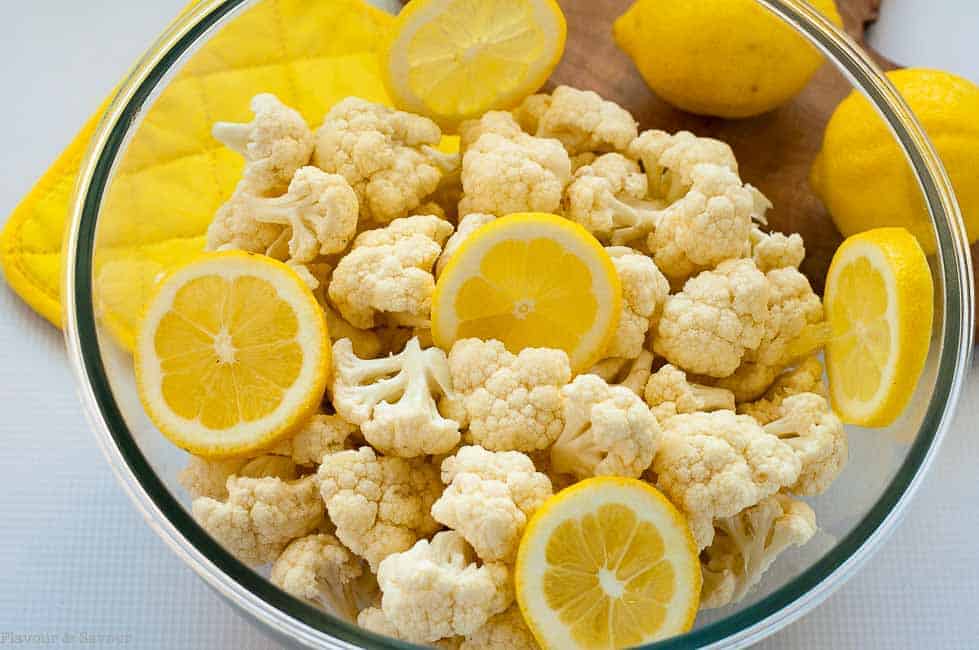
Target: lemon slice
233	353
607	563
879	304
530	280
453	60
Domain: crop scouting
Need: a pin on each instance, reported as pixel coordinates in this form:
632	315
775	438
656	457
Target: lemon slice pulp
879	304
530	280
607	563
233	353
453	60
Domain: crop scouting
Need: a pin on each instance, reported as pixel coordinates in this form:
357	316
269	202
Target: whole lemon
862	176
729	58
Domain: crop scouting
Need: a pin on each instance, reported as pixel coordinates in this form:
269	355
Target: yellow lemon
530	280
879	304
453	60
861	173
607	563
233	354
729	58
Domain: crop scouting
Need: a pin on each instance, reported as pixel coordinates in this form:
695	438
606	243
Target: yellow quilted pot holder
174	175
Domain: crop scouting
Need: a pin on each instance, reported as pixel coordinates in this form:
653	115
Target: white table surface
76	560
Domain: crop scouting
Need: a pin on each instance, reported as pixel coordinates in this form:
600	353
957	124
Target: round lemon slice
879	304
453	60
530	280
233	353
607	563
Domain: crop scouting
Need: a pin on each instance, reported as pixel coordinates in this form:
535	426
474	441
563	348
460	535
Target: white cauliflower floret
317	216
318	568
384	154
668	393
776	251
320	435
809	426
506	631
367	344
669	160
581	120
714	465
498	122
260	516
436	590
394	399
746	545
204	477
795	328
467	226
707	328
807	377
608	431
275	144
389	270
709	224
490	497
629	373
644	291
599	194
502	175
512	402
380	505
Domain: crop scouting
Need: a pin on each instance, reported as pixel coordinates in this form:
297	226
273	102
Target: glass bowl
856	515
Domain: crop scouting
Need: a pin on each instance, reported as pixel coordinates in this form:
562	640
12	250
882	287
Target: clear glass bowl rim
293	619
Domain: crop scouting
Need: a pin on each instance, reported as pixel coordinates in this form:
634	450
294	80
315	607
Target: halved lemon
233	354
530	280
607	563
453	60
879	304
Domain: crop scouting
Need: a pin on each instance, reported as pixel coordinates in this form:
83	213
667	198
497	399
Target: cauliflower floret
668	393
795	328
807	377
318	568
490	497
317	216
530	110
713	465
320	435
776	251
204	477
467	226
506	631
809	426
383	155
746	545
436	590
629	373
709	224
389	270
608	431
367	344
581	120
380	505
512	402
393	398
502	175
644	290
707	328
669	160
260	516
275	144
498	122
599	194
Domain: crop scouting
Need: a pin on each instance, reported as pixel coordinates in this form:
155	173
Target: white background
76	559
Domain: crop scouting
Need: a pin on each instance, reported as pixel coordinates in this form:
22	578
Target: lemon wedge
530	280
607	563
233	353
453	60
879	304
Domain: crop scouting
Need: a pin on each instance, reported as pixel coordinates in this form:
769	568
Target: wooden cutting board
774	151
